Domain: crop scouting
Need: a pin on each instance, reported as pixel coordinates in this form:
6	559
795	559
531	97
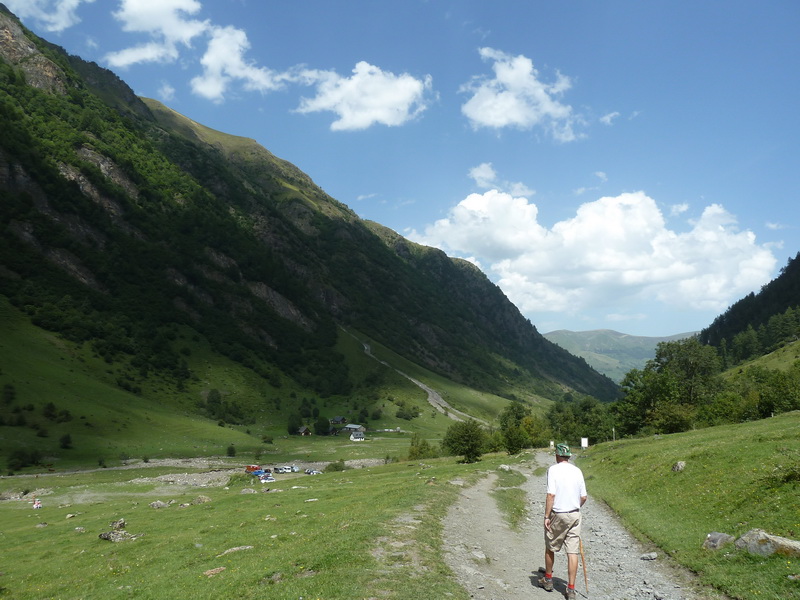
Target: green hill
160	250
736	478
611	352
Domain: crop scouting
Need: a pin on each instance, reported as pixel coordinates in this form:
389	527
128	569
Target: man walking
566	493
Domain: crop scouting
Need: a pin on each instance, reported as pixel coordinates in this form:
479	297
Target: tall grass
736	478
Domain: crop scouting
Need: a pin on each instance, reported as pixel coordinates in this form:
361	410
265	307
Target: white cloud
224	62
515	97
165	21
53	15
368	97
485	177
774	226
166	92
678	209
614	253
600	175
608	119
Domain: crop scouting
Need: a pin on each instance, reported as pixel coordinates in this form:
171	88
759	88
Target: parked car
266	478
313	472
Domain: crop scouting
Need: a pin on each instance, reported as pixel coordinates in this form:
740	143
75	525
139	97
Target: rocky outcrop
16	49
758	541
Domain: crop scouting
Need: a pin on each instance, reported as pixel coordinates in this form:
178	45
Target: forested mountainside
123	220
759	323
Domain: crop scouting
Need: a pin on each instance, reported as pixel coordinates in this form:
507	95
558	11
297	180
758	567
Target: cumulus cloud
52	15
224	62
516	97
485	177
165	21
370	96
614	251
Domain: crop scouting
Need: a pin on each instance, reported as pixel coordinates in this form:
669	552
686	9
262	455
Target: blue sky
623	165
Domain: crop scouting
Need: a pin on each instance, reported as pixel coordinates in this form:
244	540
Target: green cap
563	450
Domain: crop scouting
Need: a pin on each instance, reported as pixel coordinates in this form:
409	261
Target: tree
420	448
65	441
294	423
465	438
322	426
515	439
512	415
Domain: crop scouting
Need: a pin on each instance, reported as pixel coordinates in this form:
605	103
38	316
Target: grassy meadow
737	478
372	532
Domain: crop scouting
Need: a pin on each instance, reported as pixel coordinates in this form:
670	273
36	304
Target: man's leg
572	568
549	561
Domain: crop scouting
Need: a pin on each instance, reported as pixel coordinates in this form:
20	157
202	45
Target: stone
158	504
716	540
201	500
758	541
679	466
119	524
649	556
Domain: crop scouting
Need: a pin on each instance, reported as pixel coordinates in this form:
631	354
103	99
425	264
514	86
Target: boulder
679	466
158	504
716	540
758	541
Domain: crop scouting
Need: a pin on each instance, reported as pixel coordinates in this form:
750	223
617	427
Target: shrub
335	466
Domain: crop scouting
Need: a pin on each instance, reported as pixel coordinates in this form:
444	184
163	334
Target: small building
357	436
338	421
304	430
351	427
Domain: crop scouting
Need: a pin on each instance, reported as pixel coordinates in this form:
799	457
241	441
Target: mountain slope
124	220
611	352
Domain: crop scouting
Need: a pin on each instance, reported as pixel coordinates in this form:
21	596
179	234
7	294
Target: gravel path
494	563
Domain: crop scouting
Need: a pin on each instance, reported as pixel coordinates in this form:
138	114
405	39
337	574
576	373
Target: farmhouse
304	430
338	421
350	428
357	436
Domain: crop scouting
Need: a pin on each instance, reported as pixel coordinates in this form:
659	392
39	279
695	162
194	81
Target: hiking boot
569	594
546	583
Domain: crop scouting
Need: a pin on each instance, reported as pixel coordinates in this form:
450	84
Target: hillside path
494	563
434	398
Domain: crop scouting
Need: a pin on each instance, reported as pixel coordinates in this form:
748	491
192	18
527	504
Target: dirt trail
494	563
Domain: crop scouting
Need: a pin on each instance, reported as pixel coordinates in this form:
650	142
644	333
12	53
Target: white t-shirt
565	481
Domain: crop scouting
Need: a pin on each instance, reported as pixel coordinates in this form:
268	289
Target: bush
231	450
335	466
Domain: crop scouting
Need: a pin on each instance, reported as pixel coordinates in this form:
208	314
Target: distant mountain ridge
611	352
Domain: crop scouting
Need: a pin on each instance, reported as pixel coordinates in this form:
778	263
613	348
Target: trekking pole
583	561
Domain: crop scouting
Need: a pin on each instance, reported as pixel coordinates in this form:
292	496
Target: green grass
737	478
510	499
109	423
358	533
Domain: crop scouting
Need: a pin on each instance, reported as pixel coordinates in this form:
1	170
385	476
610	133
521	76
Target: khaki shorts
565	530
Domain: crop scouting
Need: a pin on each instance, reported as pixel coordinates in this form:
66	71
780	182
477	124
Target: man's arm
583	500
548	508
